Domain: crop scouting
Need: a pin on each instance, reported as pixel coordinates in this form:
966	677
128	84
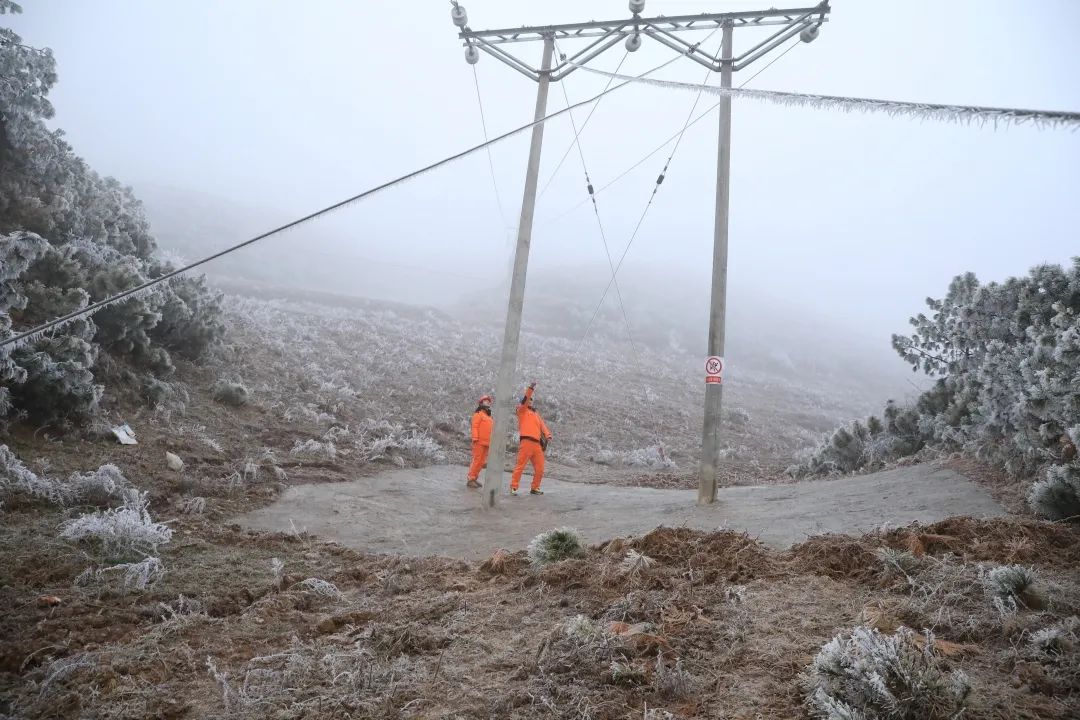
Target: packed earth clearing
426	511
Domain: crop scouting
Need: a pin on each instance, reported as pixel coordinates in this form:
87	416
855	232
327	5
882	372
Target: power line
126	294
652	196
596	211
796	42
665	143
897	108
491	163
576	131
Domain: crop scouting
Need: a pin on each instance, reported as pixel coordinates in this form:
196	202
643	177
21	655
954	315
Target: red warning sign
714	370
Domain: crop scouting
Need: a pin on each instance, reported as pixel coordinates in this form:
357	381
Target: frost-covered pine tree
69	237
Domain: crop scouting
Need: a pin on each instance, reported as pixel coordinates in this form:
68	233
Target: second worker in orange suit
481	439
533	436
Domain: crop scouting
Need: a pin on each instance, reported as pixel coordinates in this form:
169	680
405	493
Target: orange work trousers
479	460
530	451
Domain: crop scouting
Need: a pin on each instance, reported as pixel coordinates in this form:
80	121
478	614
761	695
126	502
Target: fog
229	118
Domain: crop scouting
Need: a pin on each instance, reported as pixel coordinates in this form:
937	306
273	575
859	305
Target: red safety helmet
485	399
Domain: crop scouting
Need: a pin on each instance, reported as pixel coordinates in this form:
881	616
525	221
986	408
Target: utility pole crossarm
663	29
675	23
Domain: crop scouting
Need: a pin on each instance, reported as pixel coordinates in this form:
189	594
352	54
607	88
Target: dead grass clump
733	557
569	574
581	647
317	680
635	564
942	593
628	673
503	563
637	606
407	639
1056	650
837	556
671	680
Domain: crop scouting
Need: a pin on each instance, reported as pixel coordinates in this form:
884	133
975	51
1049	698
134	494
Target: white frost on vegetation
120	531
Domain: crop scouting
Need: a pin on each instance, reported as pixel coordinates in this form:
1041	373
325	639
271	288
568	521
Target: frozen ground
428	511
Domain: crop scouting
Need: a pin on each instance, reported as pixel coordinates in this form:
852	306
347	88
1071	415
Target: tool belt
542	440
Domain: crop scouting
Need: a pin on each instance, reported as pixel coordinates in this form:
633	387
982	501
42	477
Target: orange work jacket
481	427
530	425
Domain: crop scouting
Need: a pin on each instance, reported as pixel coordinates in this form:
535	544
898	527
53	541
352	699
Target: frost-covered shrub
653	458
868	445
1010	587
136	575
867	675
314	449
382	440
900	562
1058	639
17	479
98	487
583	629
737	416
555	545
670	679
120	531
1056	649
163	395
626	673
193	506
69	237
309	412
277	566
320	587
1057	495
229	393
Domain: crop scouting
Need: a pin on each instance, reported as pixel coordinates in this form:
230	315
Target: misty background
231	118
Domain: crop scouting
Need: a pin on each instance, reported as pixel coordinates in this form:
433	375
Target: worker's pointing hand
532	385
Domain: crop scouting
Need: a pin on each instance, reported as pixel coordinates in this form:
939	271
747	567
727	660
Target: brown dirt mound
503	563
1003	540
837	556
726	554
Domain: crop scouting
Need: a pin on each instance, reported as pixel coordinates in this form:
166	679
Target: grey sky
290	106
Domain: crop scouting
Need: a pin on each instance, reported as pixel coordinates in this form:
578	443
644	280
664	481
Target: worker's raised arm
528	393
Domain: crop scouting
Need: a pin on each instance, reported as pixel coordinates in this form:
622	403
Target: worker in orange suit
481	440
533	437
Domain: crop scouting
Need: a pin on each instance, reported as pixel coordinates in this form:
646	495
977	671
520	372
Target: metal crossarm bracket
662	29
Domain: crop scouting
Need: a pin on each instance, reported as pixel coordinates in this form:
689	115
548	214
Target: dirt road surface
428	511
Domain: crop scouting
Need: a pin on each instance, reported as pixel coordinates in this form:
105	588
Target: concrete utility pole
804	22
504	387
714	389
